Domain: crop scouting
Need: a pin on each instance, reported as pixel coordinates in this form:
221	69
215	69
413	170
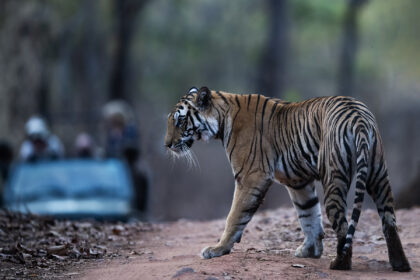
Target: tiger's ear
203	98
193	90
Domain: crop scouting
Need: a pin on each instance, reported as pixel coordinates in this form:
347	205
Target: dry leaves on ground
33	246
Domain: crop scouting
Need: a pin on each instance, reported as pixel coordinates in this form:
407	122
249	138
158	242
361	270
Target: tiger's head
191	120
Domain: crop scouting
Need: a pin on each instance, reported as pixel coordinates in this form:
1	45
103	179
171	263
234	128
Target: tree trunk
126	12
271	80
42	97
349	47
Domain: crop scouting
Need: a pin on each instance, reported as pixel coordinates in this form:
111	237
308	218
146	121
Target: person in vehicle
121	129
40	143
85	146
122	141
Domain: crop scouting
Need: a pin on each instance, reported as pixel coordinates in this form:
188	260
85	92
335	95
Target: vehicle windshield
69	179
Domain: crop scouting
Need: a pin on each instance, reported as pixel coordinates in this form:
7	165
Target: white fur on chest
213	129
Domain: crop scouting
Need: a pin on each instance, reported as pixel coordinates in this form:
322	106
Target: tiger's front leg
249	194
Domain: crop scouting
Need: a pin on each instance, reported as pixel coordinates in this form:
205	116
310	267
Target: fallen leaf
118	229
57	250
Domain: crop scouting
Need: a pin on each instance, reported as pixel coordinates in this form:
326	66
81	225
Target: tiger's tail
362	155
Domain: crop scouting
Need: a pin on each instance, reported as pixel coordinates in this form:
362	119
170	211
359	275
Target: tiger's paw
212	252
310	249
342	262
401	265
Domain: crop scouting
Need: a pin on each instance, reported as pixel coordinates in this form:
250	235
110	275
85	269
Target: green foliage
186	43
320	12
390	36
66	9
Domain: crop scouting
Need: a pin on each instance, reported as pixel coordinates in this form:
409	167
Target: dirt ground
33	247
266	251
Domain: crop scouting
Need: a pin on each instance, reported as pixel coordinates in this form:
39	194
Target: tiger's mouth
182	146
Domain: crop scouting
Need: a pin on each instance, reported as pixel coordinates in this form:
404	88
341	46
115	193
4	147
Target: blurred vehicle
75	188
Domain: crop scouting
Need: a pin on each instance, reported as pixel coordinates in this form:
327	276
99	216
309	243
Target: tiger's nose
168	144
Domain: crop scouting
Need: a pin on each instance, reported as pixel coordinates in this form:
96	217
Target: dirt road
266	251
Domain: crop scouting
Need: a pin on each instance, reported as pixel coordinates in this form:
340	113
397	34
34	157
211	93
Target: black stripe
285	168
349	154
360	185
231	129
351	230
387	195
239	172
268	162
334	225
224	98
254	154
262	115
273	109
252	209
237	101
307	205
262	131
231	151
304	216
198	116
355	215
359	197
256	107
378	182
242	223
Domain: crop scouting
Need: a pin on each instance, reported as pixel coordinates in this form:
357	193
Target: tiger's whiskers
186	154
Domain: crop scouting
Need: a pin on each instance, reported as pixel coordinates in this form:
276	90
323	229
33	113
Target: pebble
183	271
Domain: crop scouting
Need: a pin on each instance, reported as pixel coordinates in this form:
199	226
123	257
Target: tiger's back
291	136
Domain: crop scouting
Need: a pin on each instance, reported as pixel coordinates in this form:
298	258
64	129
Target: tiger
332	140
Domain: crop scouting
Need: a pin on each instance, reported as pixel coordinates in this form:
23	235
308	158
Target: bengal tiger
334	140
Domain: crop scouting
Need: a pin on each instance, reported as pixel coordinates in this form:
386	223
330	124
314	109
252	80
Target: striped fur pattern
334	140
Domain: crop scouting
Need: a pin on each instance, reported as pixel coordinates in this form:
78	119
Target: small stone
118	229
183	271
322	274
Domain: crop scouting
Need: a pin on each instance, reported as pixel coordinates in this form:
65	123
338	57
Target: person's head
37	132
117	114
84	145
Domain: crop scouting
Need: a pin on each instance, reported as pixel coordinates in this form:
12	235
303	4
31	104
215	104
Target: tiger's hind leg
336	206
308	208
380	190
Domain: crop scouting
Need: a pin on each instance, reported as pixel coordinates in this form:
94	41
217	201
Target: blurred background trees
65	59
273	66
